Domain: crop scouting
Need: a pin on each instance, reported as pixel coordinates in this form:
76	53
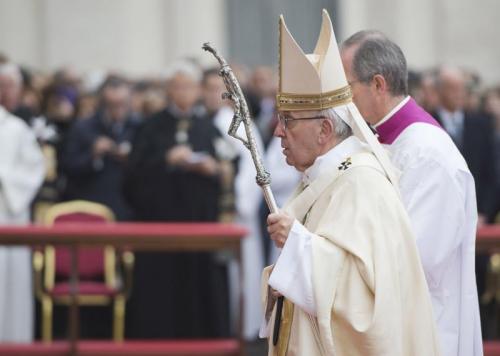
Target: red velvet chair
98	282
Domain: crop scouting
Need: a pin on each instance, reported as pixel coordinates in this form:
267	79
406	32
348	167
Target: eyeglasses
284	119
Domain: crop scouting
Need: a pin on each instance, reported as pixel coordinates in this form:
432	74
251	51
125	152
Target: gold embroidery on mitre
294	102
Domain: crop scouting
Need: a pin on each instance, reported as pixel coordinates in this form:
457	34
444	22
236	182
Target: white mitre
317	81
313	81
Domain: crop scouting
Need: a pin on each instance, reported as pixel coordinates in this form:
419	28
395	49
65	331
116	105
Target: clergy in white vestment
246	199
21	174
349	270
436	186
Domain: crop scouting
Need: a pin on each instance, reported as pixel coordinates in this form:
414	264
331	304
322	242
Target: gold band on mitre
297	102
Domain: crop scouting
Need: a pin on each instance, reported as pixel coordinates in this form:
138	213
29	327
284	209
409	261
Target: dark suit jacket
477	147
101	181
159	192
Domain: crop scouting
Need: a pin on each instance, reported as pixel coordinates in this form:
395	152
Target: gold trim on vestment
322	101
285	328
287	314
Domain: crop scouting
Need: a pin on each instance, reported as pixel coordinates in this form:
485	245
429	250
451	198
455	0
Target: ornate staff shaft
241	114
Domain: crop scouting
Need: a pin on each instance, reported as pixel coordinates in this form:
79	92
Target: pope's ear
326	129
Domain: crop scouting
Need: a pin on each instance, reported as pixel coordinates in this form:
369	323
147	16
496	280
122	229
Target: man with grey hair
318	143
472	133
174	175
11	83
348	279
11	87
301	158
436	186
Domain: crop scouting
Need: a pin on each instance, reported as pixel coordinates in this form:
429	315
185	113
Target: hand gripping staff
241	114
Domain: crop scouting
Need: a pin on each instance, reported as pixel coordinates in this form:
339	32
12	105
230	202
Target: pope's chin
292	163
289	161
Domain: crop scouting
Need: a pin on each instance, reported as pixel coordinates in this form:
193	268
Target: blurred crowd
156	149
65	107
470	113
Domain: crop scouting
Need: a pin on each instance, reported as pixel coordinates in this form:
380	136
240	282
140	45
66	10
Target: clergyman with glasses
436	185
349	270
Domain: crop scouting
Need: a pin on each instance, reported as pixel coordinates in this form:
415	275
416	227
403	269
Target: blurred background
97	81
143	37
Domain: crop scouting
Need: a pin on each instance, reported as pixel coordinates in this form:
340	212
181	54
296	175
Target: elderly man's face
184	91
299	133
452	90
117	103
10	91
213	89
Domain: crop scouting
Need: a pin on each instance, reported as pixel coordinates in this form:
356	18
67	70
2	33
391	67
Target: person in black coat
97	149
491	103
174	175
473	133
93	160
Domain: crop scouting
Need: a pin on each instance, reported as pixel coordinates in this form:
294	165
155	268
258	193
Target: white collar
457	115
333	157
393	111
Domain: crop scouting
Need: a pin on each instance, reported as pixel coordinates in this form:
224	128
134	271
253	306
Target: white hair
12	71
184	67
341	129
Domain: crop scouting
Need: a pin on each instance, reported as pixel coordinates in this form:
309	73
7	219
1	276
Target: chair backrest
93	263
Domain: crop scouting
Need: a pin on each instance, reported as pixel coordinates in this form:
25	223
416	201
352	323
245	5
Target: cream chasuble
369	291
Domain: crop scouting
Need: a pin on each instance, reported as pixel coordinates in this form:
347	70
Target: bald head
451	86
451	74
11	82
183	90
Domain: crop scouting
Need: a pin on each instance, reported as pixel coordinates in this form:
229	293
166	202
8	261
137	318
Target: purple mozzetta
409	114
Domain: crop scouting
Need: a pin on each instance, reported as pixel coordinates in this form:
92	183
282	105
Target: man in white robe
349	269
21	174
246	200
436	186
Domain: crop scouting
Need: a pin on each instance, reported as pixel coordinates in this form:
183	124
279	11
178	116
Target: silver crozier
241	114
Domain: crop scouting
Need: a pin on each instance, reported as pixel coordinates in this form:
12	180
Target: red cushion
491	348
90	260
86	288
79	217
